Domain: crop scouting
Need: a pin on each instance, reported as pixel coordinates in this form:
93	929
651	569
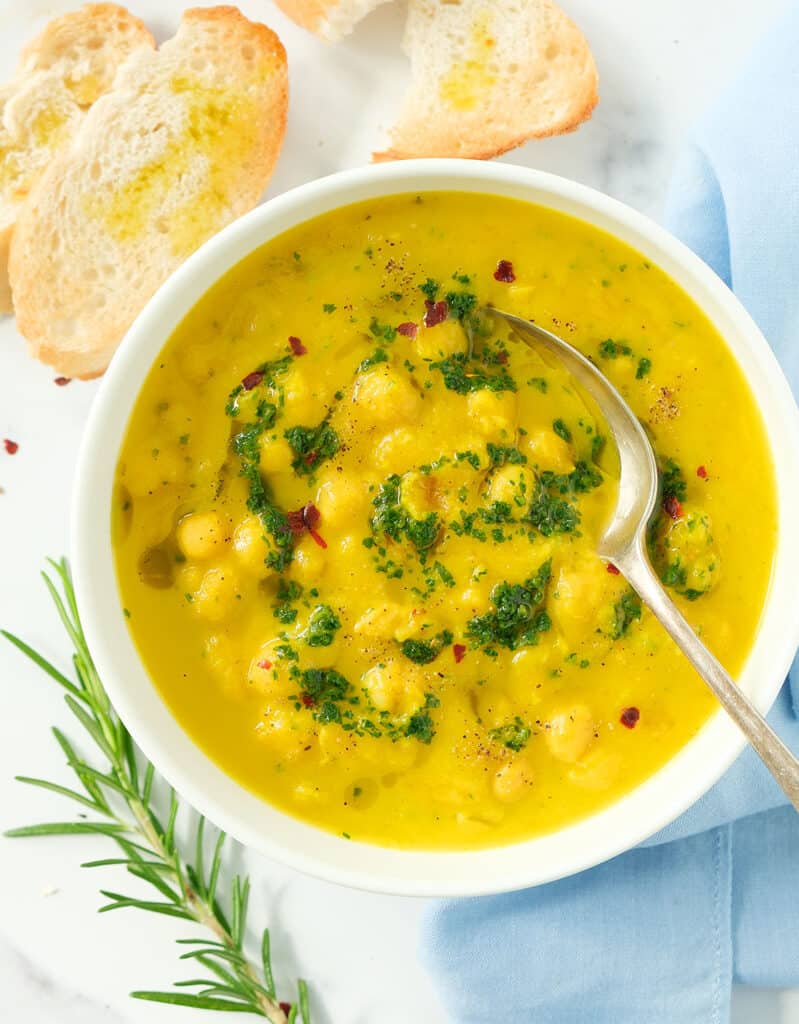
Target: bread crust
183	144
552	89
329	19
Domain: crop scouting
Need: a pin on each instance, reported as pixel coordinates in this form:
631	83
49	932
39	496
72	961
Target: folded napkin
659	934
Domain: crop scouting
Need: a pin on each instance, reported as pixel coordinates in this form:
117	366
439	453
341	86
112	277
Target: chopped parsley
502	455
513	735
322	627
378	356
393	519
562	430
468	456
464	375
311	446
644	366
672	479
328	307
384	332
422	652
430	289
461	304
518	617
610	349
626	610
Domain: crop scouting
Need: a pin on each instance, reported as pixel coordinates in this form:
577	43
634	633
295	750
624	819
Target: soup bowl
633	818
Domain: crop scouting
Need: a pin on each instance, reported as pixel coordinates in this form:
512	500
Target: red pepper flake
62	381
409	329
311	516
435	313
629	717
672	507
319	540
10	446
305	518
252	380
459	653
296	521
297	346
285	1007
504	272
701	472
310	458
612	569
265	665
502	357
307	700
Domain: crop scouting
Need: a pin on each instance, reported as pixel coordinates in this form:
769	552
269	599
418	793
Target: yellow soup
356	523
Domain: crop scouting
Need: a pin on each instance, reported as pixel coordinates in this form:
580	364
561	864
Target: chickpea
392	688
494	413
514	485
341	498
570	733
309	562
201	535
546	450
251	547
511	780
442	340
216	596
276	454
396	451
383	396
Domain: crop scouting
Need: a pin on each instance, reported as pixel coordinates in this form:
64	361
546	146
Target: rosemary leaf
124	793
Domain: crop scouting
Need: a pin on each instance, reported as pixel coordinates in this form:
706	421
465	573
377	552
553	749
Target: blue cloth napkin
659	934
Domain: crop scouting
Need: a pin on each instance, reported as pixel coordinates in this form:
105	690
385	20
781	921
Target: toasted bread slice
488	76
183	144
330	19
85	48
60	73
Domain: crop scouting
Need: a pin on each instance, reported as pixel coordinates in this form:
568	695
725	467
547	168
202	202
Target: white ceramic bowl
635	817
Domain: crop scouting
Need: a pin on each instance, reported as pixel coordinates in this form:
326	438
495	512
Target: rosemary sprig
122	798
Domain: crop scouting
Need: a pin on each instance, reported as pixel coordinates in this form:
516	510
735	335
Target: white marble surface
659	63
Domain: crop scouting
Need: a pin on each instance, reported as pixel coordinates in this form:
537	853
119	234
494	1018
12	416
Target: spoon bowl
623	544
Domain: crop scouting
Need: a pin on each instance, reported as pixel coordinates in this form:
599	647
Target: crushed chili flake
317	538
701	472
307	700
672	507
265	665
297	346
310	458
252	380
504	272
10	446
629	717
62	381
311	516
409	329
435	313
612	569
305	518
459	653
502	357
285	1007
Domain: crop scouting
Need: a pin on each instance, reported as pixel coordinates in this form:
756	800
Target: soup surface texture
356	522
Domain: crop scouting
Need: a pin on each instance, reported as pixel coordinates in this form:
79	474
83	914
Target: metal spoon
624	545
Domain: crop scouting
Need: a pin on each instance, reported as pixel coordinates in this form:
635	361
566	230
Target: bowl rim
645	810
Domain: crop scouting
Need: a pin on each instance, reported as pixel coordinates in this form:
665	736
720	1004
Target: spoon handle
775	755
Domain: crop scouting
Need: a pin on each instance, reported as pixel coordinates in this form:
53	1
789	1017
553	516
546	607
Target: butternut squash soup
356	523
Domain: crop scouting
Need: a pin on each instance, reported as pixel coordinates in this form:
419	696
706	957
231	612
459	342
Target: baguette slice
183	144
330	19
85	48
488	76
59	74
